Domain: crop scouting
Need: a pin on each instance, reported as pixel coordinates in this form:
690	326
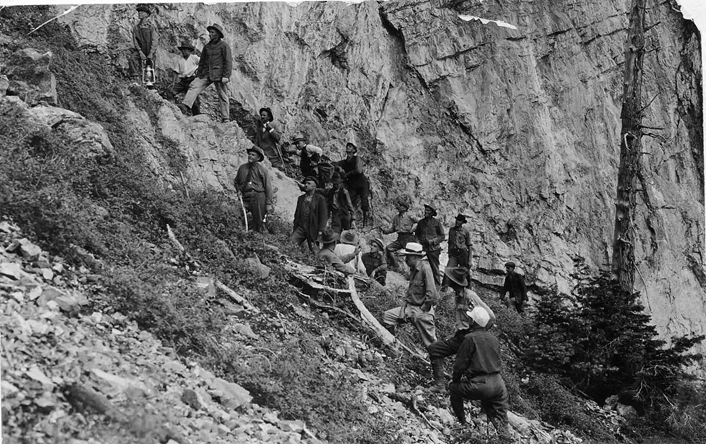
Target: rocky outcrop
514	125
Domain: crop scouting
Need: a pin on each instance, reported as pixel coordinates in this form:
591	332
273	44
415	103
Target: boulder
30	78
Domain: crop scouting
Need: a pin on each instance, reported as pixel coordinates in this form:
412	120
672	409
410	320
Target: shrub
601	343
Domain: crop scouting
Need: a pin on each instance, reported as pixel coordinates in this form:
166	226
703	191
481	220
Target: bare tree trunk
630	148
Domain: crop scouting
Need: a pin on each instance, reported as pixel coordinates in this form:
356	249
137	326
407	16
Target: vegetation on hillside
111	214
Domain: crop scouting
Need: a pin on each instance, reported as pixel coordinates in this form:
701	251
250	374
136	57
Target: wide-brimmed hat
312	179
353	145
413	249
257	150
144	8
458	275
268	111
479	315
433	210
298	136
510	264
377	242
186	45
349	237
328	236
216	27
461	218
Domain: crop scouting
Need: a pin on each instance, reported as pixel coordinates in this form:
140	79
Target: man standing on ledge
254	183
215	67
310	216
515	286
144	42
431	234
420	298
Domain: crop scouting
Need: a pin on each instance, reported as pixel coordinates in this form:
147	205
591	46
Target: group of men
476	370
194	73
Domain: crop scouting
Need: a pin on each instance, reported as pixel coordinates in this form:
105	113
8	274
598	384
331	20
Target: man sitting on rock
329	238
305	151
185	72
421	296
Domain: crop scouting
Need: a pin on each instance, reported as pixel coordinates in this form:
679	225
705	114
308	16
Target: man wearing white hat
420	299
479	360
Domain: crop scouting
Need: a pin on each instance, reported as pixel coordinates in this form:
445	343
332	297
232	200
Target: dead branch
236	297
174	240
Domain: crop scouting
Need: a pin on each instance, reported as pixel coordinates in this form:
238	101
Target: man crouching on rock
479	360
420	298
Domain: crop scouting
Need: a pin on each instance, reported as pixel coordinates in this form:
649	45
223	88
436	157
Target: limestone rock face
515	126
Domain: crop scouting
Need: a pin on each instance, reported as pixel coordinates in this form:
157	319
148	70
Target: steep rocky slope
515	125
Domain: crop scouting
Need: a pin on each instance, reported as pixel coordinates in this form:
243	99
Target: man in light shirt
185	73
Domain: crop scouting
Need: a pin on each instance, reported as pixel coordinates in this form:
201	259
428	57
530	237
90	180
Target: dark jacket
353	169
515	284
430	233
317	216
216	61
267	140
479	355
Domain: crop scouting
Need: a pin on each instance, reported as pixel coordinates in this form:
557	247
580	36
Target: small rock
47	274
38	328
245	330
58	268
192	399
387	388
206	286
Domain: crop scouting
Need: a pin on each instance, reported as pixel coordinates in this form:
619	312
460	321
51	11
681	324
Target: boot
503	430
365	219
391	329
437	369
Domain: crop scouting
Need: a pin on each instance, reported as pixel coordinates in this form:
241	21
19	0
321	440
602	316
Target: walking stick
242	206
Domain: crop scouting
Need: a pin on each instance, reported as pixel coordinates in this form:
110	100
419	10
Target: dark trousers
340	221
254	202
446	347
433	258
457	259
489	389
135	63
300	235
398	244
359	188
182	87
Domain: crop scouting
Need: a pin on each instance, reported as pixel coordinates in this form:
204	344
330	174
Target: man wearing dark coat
310	216
515	287
215	67
254	183
431	234
144	42
268	137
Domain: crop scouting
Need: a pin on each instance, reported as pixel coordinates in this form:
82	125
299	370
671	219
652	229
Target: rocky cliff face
514	125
